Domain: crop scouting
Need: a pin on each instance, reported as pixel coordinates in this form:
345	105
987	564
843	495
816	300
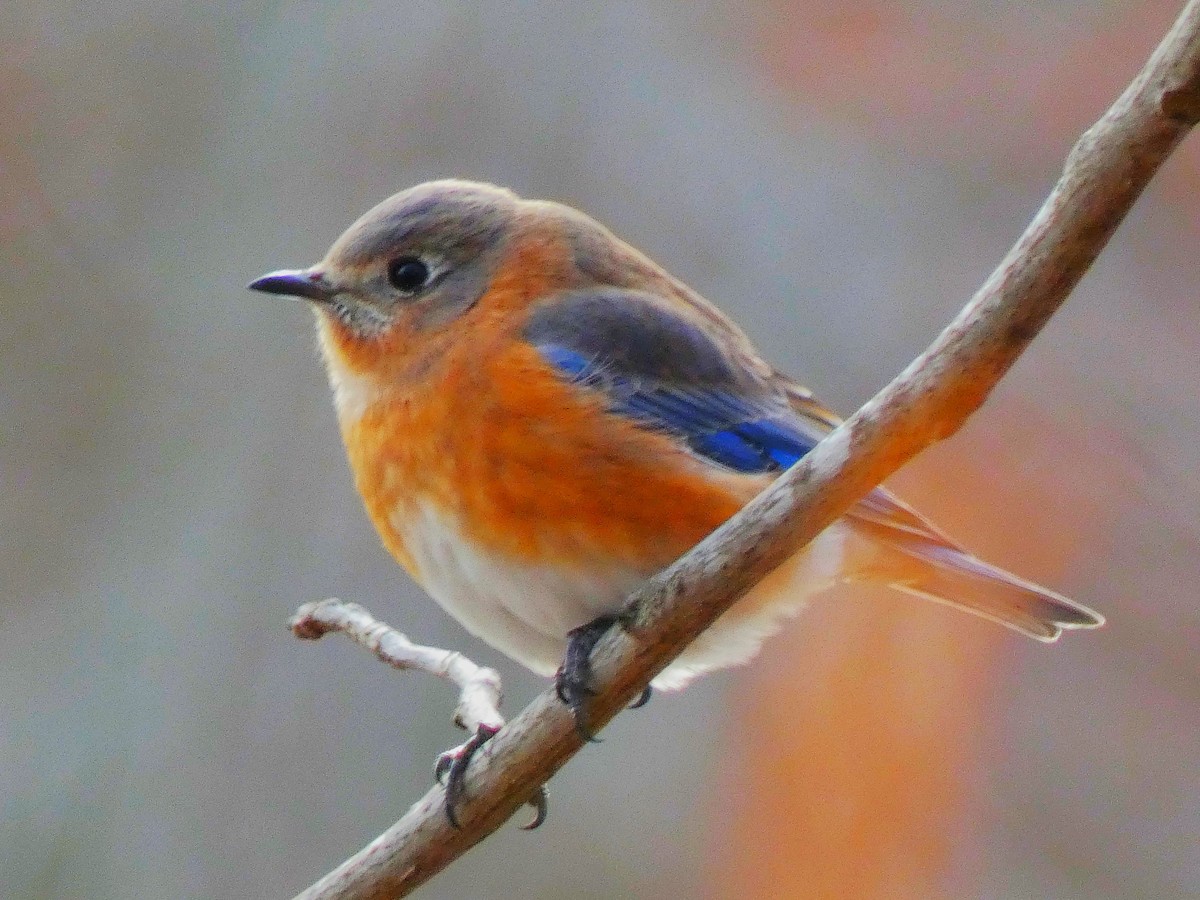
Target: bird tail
884	541
945	573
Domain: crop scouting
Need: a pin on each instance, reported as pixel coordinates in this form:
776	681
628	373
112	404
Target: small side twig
479	687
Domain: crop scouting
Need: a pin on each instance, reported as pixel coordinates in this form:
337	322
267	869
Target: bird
539	417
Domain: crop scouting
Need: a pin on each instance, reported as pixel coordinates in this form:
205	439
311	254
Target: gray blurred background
839	177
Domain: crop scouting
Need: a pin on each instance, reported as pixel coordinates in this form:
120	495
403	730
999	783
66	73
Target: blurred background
840	177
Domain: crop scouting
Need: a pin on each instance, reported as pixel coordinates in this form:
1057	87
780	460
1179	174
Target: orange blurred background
839	177
876	781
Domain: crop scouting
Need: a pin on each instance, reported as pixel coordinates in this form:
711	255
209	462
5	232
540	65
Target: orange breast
533	468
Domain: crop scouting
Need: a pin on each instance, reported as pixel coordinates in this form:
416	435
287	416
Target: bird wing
663	370
669	371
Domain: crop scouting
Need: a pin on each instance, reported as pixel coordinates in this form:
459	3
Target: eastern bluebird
539	417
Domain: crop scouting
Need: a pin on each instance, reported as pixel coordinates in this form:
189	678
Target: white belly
525	611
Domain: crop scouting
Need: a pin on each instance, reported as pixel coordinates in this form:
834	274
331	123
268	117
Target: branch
479	697
1103	176
479	687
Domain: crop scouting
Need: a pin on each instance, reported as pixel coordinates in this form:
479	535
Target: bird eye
407	274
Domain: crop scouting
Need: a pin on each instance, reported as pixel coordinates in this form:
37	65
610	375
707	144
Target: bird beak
295	283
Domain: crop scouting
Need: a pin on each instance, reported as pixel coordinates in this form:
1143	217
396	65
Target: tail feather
976	587
938	569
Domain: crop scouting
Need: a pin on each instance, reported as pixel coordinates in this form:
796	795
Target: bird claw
573	681
541	806
450	770
643	698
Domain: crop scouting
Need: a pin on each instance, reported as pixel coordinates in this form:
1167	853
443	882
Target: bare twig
479	687
930	400
479	698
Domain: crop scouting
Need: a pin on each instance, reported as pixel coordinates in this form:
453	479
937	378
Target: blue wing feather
667	374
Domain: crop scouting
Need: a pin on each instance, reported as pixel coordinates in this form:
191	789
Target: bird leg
573	681
450	770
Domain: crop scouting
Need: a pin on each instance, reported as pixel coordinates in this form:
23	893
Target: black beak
295	283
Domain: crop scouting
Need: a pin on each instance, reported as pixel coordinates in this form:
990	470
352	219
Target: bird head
418	260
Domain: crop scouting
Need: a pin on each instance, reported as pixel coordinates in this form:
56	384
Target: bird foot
573	681
450	770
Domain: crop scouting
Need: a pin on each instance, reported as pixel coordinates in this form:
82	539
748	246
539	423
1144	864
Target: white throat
353	392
